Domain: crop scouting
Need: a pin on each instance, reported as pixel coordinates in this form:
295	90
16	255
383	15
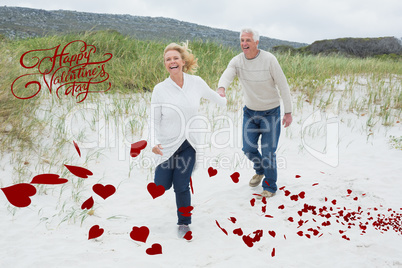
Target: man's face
248	45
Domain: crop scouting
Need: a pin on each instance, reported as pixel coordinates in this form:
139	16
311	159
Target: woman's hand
157	149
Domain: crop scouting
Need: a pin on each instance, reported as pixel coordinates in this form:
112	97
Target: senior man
264	84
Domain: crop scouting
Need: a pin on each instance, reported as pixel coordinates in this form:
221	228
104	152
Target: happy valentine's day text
67	68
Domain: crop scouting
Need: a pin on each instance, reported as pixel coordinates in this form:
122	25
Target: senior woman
174	106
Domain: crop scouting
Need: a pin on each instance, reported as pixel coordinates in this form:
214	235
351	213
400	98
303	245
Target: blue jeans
177	171
267	125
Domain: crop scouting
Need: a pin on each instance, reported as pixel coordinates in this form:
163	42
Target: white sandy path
371	168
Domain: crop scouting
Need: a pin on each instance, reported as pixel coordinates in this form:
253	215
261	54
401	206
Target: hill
17	22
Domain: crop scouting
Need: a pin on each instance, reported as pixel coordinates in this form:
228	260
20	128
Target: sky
303	21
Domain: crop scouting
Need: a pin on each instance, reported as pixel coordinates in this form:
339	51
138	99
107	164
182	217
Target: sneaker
265	194
182	231
256	180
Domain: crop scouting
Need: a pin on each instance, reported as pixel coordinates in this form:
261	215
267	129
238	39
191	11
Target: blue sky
293	20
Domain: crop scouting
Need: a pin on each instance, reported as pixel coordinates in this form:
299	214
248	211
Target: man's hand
287	120
221	92
157	149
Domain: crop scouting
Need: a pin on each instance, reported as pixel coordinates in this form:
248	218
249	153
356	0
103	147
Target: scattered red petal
79	171
273	252
191	186
223	230
281	207
77	148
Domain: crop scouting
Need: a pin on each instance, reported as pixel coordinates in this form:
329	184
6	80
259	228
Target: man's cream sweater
261	78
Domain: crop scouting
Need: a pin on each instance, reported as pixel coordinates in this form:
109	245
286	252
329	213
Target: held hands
157	149
287	120
221	92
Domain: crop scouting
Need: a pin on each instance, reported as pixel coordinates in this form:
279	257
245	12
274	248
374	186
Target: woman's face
173	62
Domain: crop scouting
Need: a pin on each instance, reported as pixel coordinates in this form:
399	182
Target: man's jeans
177	171
264	124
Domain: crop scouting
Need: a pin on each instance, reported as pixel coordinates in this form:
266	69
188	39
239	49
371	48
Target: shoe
182	231
265	194
256	180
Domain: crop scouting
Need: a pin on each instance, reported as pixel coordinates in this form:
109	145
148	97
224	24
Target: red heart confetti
155	249
186	211
140	233
235	177
232	219
77	148
88	204
155	190
191	186
212	172
104	191
238	231
252	202
48	179
273	252
272	233
315	184
281	207
302	195
95	232
248	241
19	194
137	147
188	236
79	171
223	230
264	209
297	176
349	191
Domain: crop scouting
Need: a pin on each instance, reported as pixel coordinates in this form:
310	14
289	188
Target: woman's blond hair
189	59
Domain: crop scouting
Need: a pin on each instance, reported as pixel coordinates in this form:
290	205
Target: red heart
154	249
137	147
95	232
140	234
79	171
186	211
188	236
248	240
77	148
302	195
88	204
233	219
235	177
104	191
18	195
212	172
48	179
238	232
155	190
272	233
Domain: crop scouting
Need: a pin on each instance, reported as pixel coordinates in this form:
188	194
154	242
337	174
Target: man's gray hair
256	36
